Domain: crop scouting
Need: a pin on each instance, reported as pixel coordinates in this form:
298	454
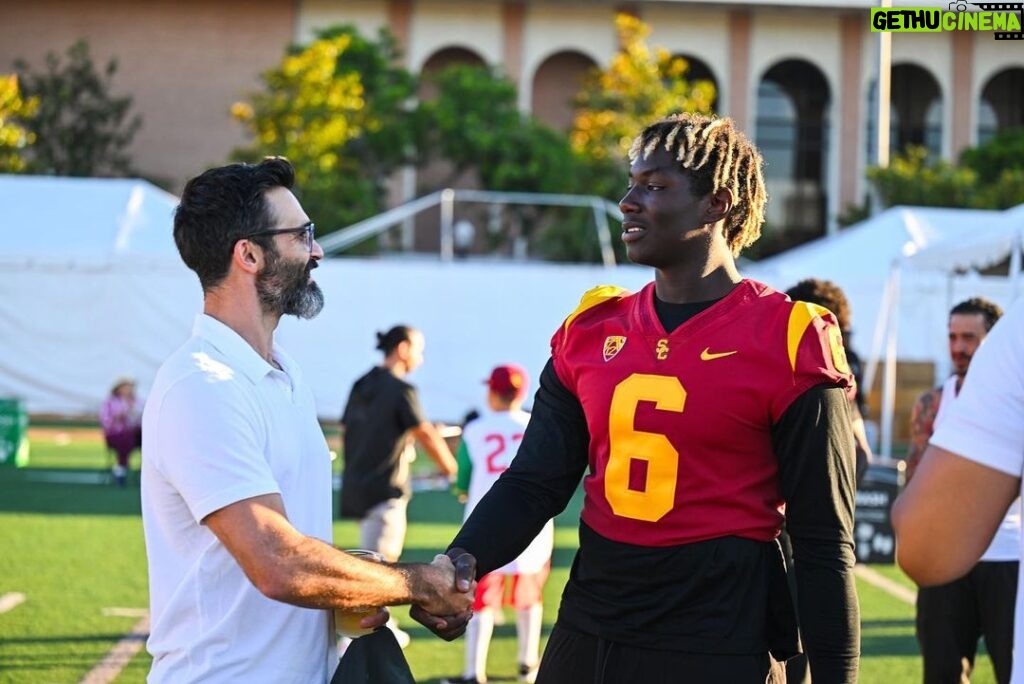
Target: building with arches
798	75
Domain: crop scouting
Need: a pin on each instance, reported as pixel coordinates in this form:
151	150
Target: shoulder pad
595	296
800	316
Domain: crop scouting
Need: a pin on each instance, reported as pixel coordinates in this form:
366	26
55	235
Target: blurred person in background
489	444
380	425
121	421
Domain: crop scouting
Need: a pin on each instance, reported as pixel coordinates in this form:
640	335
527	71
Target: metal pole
603	238
882	105
889	379
447	224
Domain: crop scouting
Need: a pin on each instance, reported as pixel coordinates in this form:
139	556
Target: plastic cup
346	622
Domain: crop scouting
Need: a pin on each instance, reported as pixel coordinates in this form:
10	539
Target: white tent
957	262
91	287
84	220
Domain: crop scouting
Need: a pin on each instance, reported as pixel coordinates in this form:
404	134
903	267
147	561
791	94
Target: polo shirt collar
234	347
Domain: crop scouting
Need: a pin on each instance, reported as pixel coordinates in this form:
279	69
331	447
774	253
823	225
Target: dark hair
823	293
222	206
716	155
387	342
991	311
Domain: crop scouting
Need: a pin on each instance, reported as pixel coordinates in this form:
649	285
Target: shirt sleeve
213	442
465	471
537	485
408	411
814	443
986	422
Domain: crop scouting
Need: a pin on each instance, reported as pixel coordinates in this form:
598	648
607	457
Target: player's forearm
828	609
537	486
317	575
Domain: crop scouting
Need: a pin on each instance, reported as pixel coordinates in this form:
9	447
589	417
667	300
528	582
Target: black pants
952	617
574	658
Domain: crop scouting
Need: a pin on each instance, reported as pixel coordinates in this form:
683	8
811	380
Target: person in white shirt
952	617
970	474
489	443
236	474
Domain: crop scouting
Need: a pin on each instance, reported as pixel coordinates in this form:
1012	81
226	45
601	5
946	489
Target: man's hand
450	626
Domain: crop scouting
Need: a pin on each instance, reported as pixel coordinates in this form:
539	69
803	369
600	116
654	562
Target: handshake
441	594
448	593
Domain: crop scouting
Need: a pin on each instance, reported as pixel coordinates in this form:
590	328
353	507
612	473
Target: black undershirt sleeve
814	444
537	485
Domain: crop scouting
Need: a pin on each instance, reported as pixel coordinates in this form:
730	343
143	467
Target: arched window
1002	103
556	82
793	103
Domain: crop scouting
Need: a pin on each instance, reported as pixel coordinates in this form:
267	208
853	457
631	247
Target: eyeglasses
308	229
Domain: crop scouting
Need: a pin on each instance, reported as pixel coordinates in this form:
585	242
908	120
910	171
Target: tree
642	84
80	128
989	176
337	108
472	123
15	110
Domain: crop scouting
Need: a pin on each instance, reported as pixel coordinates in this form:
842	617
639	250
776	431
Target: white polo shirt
986	424
222	425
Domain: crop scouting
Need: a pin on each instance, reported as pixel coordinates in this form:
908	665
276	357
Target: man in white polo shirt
236	475
971	472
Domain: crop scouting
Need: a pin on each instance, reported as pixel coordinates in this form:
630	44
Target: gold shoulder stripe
593	297
799	318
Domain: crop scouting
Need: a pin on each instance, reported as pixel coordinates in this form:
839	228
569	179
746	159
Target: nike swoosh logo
707	355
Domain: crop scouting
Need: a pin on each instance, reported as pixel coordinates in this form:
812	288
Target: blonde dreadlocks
717	156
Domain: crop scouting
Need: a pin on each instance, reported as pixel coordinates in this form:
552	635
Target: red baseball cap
508	378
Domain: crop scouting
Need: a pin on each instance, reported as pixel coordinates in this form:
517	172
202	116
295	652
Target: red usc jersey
680	423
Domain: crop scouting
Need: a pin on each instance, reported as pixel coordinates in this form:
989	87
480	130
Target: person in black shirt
380	422
695	411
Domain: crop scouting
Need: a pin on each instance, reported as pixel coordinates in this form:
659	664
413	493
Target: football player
698	412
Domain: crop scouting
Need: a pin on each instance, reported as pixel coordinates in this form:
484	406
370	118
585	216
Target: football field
73	591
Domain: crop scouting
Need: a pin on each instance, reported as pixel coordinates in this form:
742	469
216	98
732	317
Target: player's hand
465	568
445	624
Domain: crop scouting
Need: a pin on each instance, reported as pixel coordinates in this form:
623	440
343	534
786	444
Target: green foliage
337	109
80	128
14	136
989	176
913	178
642	84
1004	151
473	110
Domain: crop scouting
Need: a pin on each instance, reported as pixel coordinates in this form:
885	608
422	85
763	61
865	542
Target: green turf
74	549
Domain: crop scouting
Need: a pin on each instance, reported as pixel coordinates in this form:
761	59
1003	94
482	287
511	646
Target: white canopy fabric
84	220
987	243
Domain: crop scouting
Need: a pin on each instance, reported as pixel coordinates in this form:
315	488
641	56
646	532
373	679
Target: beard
285	288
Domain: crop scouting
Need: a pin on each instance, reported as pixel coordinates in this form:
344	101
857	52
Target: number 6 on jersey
627	443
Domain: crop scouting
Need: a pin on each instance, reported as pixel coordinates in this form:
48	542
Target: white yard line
68	478
9	602
876	579
107	669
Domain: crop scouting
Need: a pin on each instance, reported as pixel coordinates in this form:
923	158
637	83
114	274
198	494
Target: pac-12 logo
613	344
